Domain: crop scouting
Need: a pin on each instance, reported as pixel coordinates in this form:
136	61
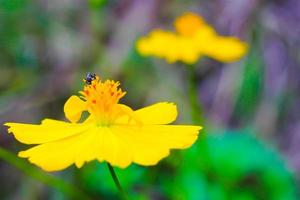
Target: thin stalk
196	108
116	181
197	112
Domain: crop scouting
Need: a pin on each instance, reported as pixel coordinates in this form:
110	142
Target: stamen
102	99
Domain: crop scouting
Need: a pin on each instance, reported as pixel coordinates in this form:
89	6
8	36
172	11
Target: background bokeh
250	145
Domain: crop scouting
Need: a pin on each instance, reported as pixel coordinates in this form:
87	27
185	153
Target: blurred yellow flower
112	132
193	39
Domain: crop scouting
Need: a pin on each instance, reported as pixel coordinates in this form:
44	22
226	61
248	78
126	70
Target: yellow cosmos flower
112	132
193	39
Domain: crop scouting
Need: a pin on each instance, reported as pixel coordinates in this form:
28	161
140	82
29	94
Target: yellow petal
60	154
226	49
149	144
159	113
118	145
49	130
73	108
143	47
112	149
161	44
204	36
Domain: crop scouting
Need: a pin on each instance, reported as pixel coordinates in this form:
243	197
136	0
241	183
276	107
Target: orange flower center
102	100
188	24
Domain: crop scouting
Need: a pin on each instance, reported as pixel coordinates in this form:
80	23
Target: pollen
103	93
101	98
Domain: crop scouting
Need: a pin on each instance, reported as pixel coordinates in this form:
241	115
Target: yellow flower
112	132
193	39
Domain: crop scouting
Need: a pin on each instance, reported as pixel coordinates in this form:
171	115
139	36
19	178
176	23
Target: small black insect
89	78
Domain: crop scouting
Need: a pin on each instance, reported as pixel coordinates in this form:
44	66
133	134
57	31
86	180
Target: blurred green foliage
66	188
96	4
251	88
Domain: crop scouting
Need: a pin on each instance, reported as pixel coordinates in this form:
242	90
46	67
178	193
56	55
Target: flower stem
197	116
196	108
116	181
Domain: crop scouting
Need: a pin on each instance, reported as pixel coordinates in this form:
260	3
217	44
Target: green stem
197	114
116	181
37	174
196	108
